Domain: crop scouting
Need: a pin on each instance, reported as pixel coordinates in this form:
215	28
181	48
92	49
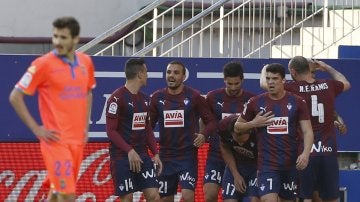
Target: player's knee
188	196
210	196
127	198
153	197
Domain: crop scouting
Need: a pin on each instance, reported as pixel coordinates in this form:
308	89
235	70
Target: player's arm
17	101
334	73
208	118
263	83
151	142
88	113
339	123
154	114
230	161
115	136
306	129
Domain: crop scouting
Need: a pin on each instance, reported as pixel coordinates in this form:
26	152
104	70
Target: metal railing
247	28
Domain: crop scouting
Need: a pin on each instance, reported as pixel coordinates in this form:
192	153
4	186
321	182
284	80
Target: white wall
33	18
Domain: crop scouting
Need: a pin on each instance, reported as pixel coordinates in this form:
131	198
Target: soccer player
177	109
130	134
240	154
314	66
278	116
64	80
322	173
223	102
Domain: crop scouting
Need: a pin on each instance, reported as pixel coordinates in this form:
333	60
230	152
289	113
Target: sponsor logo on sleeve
113	108
26	80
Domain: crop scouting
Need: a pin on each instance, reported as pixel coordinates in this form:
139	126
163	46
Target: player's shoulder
119	91
295	96
248	94
43	62
45	59
191	90
215	92
83	57
327	81
159	91
143	94
260	96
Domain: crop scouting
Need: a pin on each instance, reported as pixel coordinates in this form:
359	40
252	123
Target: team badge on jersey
113	108
32	69
139	121
280	125
173	118
289	106
186	101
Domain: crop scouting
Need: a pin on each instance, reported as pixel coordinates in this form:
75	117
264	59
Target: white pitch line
219	75
103	134
104	74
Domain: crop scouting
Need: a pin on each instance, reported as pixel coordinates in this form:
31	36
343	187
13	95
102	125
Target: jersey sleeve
153	110
249	110
338	87
303	109
290	86
206	115
210	101
112	124
91	72
32	78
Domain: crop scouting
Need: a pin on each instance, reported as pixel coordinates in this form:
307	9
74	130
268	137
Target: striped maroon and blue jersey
278	142
131	113
178	120
223	105
320	97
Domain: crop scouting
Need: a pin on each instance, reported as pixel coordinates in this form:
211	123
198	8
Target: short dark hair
68	22
133	66
299	64
176	62
233	69
276	68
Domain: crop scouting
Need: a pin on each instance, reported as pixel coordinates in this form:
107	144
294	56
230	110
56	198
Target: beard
173	85
64	50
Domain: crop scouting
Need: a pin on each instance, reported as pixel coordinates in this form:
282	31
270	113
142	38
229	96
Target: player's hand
48	136
321	66
134	161
263	119
157	164
302	161
341	126
199	139
239	183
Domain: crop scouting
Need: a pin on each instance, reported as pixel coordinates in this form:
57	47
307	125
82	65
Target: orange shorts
62	162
